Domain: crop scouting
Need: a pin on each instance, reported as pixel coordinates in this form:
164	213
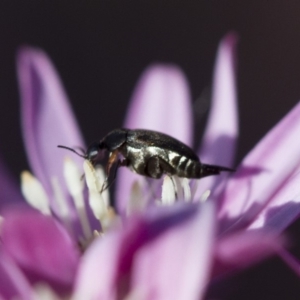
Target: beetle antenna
70	149
80	149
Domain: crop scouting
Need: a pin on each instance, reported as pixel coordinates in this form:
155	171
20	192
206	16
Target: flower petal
47	118
99	266
177	264
13	284
41	247
220	137
240	250
10	191
283	209
112	260
161	102
263	172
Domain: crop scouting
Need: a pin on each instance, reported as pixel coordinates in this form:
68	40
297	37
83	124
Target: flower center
173	189
59	204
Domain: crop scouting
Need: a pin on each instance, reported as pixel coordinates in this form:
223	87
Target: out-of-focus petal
47	118
161	102
111	260
13	284
10	192
177	264
283	208
219	142
98	270
240	250
40	247
263	172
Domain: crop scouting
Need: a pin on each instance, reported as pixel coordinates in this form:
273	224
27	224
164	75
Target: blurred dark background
101	47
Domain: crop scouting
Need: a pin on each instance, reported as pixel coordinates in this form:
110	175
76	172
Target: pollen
168	194
99	200
75	186
137	201
187	194
62	208
175	188
205	196
34	193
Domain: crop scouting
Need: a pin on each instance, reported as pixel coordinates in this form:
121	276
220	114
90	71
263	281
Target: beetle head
114	140
93	151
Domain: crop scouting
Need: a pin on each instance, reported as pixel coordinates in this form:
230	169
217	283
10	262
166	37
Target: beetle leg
113	156
156	167
120	163
153	168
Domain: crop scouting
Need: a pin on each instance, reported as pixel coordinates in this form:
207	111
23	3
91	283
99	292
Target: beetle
149	153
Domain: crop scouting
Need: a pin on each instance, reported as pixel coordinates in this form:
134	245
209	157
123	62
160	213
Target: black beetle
149	153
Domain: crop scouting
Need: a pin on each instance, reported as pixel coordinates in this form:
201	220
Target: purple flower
159	252
153	257
41	247
235	240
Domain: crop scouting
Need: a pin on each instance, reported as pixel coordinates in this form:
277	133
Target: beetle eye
93	154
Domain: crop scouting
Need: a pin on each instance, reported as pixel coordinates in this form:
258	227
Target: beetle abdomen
186	167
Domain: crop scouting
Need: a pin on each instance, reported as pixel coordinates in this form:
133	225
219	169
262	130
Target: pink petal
98	270
47	118
240	250
264	171
161	102
220	137
9	191
177	264
283	208
13	284
41	247
112	261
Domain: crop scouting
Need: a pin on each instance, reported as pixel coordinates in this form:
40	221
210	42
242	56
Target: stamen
137	201
42	291
1	223
75	186
91	178
186	189
205	196
168	193
63	209
178	187
97	205
100	207
96	200
72	176
194	187
100	178
34	193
